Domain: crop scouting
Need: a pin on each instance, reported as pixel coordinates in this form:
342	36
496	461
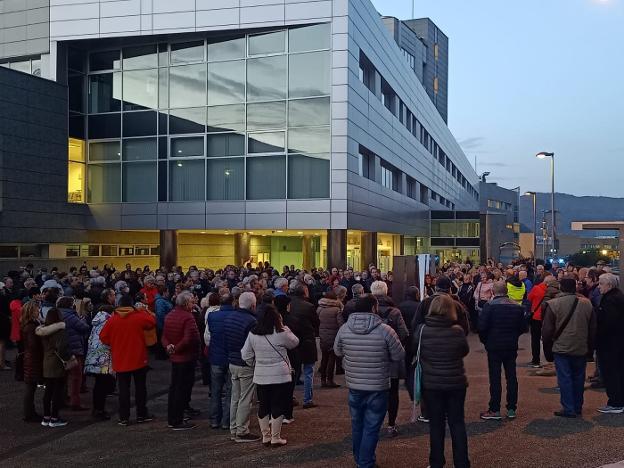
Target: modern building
215	132
499	208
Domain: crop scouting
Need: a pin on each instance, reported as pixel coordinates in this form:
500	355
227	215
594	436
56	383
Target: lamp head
531	194
544	154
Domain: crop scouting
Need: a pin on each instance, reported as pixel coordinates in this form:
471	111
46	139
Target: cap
50	284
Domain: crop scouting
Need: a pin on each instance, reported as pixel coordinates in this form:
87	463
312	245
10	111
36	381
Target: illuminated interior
76	171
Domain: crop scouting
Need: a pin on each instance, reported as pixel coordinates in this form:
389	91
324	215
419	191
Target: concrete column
169	248
336	248
241	248
368	248
308	260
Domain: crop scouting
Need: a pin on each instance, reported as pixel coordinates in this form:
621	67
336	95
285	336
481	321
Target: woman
266	348
466	296
16	337
429	287
55	353
282	304
77	331
483	292
330	315
443	346
33	357
98	364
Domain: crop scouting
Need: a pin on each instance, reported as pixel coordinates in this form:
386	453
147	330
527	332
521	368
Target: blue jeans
308	380
368	410
220	389
571	379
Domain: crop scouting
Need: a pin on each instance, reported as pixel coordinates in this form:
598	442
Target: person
124	332
330	320
282	304
501	323
220	380
266	349
77	331
610	342
237	326
569	329
443	346
55	354
162	306
5	321
410	305
308	324
392	316
181	340
33	358
98	363
357	291
536	297
150	291
368	347
465	293
483	291
516	289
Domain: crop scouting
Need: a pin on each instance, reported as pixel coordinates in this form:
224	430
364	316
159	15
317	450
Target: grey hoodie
368	346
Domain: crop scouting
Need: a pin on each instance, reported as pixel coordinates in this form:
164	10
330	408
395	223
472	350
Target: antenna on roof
413	1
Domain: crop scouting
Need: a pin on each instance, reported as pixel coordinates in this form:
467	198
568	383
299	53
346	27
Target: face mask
358	278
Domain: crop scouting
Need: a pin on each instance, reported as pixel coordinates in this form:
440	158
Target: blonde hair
443	306
30	312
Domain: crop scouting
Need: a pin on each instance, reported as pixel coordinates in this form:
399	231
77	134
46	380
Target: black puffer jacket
442	352
501	322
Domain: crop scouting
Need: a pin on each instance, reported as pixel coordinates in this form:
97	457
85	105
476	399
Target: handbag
548	345
417	377
70	364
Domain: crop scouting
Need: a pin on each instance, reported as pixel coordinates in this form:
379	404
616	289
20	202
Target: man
610	342
536	297
442	286
308	323
410	305
180	338
368	347
348	281
516	288
124	332
501	322
237	326
220	380
281	286
569	328
357	291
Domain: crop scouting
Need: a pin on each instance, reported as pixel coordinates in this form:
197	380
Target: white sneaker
611	410
422	419
288	421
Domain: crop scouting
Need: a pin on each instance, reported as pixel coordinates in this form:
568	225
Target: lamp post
534	195
544	155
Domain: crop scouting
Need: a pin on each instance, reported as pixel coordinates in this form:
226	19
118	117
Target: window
105	93
226	179
140	89
139	123
366	163
140	57
388	97
226	82
187	85
104	126
309	74
187	147
309	140
266	78
306	38
226	144
411	188
187	52
266	115
267	43
389	177
308	176
269	142
139	149
226	118
424	194
187	120
107	60
104	183
76	171
266	178
187	180
367	72
303	112
226	49
104	151
139	182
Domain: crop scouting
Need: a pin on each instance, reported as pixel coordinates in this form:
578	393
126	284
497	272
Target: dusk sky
535	75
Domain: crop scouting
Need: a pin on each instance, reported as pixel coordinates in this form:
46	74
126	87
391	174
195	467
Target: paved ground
320	437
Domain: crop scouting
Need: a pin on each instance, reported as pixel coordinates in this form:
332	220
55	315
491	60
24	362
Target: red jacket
150	294
124	333
536	296
16	313
181	331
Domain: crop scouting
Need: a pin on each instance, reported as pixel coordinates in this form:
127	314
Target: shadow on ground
557	427
609	420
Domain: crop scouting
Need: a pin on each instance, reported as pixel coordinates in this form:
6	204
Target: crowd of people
254	333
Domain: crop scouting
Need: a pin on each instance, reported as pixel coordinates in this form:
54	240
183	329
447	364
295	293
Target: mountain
572	208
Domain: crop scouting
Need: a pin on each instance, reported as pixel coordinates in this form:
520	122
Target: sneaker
392	431
533	365
511	414
564	414
247	438
192	411
309	405
58	422
611	410
145	419
45	422
288	421
123	422
491	416
6	368
422	419
185	426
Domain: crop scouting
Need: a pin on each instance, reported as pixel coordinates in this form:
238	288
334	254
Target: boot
276	429
265	428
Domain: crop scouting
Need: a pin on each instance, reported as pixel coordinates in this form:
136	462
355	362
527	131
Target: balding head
499	288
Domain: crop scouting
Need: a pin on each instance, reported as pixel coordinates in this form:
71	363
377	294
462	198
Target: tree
588	258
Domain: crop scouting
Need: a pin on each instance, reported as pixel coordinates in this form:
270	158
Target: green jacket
577	339
54	349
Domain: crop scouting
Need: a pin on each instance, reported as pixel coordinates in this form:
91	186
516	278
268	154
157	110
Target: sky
535	75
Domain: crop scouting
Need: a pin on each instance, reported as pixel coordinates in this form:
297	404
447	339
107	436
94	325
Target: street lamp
534	195
483	176
544	155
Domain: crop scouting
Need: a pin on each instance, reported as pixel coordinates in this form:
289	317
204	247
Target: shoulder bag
417	377
292	371
70	364
548	345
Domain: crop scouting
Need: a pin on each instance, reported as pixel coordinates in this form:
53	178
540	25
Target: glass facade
224	118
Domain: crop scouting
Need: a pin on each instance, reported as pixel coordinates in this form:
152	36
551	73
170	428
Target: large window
220	118
76	172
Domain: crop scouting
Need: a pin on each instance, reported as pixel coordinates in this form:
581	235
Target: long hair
30	312
271	322
53	316
443	306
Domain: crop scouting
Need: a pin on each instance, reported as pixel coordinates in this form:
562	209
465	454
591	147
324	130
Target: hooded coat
330	317
55	349
368	347
76	330
98	359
